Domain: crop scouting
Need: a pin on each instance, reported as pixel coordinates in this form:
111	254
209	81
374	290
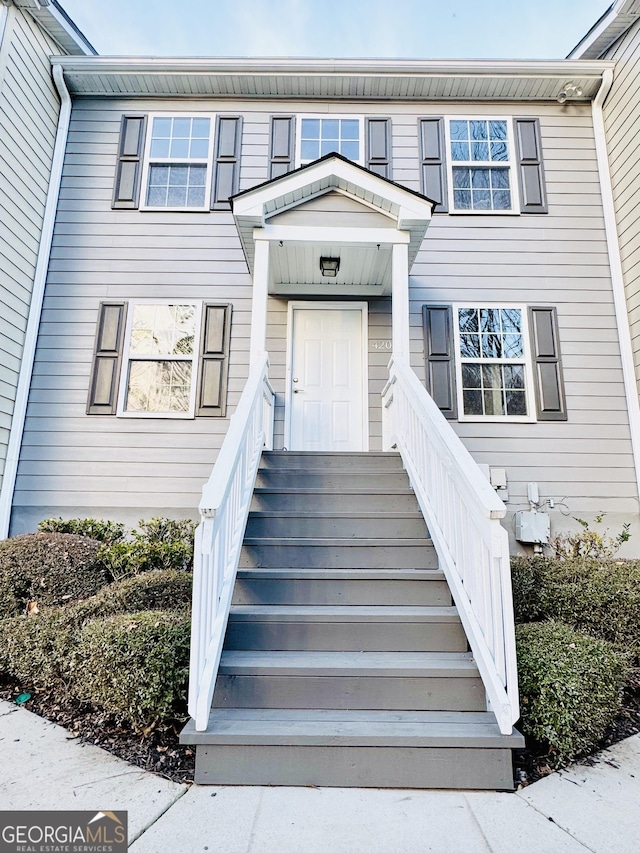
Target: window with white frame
178	162
493	363
160	359
319	136
481	165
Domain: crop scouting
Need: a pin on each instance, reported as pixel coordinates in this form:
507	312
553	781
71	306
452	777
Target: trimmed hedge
48	569
570	687
125	559
160	543
601	597
93	528
135	666
40	648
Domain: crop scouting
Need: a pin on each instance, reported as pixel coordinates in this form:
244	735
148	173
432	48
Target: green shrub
167	589
48	569
601	597
570	687
93	528
166	530
135	666
160	543
125	559
587	542
40	648
37	649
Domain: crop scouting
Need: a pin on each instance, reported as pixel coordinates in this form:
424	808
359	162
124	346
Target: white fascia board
468	67
52	18
343	236
340	175
75	36
608	21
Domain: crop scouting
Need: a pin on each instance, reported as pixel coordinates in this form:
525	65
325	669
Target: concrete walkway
583	809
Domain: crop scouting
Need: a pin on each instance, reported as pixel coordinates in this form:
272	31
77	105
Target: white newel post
259	300
400	300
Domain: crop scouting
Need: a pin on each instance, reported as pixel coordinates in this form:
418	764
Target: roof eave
338	79
53	19
613	24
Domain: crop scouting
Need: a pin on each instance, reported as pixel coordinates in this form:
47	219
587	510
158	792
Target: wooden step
330	479
337	553
332	524
333	500
302	727
342	586
356	628
377	462
416	681
407	749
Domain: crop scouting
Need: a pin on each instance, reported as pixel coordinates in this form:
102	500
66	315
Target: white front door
327	401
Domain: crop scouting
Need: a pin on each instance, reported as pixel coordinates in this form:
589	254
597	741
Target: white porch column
400	300
260	296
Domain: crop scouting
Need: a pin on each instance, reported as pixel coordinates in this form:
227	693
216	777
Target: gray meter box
532	527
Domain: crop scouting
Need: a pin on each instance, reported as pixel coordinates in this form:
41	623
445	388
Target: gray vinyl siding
622	123
29	109
128	467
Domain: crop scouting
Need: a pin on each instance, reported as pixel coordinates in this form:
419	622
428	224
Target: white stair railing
224	509
463	515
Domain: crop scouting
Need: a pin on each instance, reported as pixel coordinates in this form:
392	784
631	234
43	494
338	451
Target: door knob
295	378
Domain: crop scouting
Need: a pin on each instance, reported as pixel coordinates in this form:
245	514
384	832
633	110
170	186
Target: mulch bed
160	752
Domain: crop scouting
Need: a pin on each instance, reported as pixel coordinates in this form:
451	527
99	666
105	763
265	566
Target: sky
394	29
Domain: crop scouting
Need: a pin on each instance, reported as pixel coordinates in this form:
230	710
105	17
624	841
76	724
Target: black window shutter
126	189
433	169
378	146
107	355
440	357
211	400
281	140
226	168
547	366
530	168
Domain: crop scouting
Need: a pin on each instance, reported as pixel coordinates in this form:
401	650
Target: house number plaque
384	345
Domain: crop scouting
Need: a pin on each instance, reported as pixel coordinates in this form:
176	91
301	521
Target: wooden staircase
344	662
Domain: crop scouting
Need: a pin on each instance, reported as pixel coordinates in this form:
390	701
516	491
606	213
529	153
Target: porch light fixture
569	90
329	267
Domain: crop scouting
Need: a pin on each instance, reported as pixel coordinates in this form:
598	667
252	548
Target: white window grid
128	357
525	360
155	160
329	117
503	165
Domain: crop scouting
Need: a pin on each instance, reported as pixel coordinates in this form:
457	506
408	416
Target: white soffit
410	211
614	23
381	79
50	15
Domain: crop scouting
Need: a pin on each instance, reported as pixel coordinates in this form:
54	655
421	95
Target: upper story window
319	136
177	169
481	165
493	363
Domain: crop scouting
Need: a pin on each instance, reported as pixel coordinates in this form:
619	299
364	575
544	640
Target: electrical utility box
532	528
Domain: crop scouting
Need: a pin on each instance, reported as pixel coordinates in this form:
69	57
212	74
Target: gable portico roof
410	210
